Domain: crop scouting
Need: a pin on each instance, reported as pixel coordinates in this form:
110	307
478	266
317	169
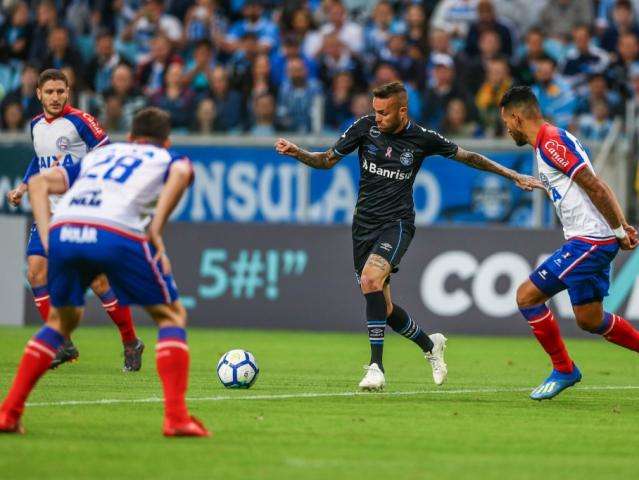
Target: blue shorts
80	252
581	267
34	245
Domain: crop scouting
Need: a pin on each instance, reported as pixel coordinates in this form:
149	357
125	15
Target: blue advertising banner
255	184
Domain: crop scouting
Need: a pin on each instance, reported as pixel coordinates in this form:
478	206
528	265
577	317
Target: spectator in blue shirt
253	22
228	102
298	98
556	98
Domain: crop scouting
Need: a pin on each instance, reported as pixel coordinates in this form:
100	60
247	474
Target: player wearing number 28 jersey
104	224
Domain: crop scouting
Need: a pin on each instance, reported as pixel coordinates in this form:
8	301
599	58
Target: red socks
37	357
172	358
618	330
121	316
546	329
41	299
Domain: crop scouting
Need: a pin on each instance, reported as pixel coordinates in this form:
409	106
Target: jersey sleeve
437	144
89	129
32	169
178	157
561	152
351	138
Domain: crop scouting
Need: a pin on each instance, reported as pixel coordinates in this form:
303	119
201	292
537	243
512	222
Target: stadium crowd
307	66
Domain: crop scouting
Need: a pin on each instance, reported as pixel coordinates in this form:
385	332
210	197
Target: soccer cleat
133	356
374	379
66	353
10	425
191	428
556	383
436	358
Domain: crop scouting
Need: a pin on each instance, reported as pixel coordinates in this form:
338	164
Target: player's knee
100	285
523	297
371	283
37	277
589	323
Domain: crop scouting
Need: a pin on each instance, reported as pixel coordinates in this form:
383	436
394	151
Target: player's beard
57	111
519	138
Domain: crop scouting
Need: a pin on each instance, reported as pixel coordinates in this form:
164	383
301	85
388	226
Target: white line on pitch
221	398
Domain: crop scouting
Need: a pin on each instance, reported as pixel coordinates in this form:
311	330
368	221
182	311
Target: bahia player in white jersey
110	220
595	229
61	136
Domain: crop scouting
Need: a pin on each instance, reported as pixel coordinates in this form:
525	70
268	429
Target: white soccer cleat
436	358
374	379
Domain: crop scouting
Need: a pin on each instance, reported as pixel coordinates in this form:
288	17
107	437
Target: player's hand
160	251
630	241
284	147
528	183
15	196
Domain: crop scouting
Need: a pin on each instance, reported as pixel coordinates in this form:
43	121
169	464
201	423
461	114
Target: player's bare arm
480	162
178	181
321	160
605	201
52	181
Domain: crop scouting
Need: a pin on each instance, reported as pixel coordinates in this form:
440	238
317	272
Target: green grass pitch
479	425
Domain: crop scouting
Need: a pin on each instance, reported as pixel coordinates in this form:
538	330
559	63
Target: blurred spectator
303	27
228	102
350	33
199	68
15	34
74	89
61	53
628	56
396	54
241	62
598	91
583	58
521	15
455	16
605	12
338	101
298	98
456	122
498	80
595	125
261	83
487	20
439	43
623	22
444	88
150	22
381	26
290	48
12	118
101	66
46	20
25	94
253	21
176	99
556	99
534	51
337	57
559	17
264	115
416	28
204	21
205	117
151	73
360	106
489	47
113	119
129	97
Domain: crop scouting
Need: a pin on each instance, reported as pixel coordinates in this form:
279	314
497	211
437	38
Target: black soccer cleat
66	353
133	356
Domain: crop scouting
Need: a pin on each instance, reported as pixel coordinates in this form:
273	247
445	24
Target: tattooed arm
480	162
322	160
603	198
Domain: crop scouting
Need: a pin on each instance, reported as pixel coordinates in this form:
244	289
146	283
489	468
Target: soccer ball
237	369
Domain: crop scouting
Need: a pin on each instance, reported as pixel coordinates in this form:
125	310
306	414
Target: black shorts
390	242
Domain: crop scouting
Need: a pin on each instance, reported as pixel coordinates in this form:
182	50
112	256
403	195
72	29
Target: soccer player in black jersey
391	151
